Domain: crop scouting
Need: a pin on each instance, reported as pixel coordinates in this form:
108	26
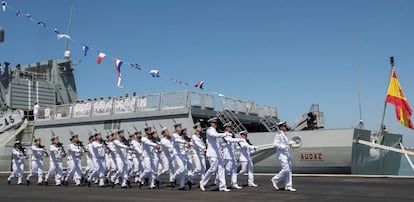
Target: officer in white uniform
17	163
214	157
180	156
137	149
57	152
245	160
199	150
166	155
38	152
281	144
74	161
230	162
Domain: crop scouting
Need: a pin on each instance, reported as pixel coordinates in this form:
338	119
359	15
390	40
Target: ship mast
382	126
361	123
67	52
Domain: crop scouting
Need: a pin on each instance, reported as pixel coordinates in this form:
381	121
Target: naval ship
51	84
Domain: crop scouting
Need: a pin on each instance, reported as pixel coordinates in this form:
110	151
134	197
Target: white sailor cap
214	119
147	128
17	142
177	124
164	129
36	138
281	123
120	131
244	132
228	124
196	125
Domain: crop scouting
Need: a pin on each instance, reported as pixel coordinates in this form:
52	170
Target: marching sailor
38	152
245	160
281	144
98	159
166	155
148	148
229	157
199	150
214	157
180	155
57	152
74	161
18	155
137	149
121	159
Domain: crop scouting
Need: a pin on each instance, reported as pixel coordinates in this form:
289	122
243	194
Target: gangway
226	116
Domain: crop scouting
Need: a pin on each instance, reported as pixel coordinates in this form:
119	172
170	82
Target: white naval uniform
121	162
137	148
281	144
166	159
37	163
98	162
245	160
111	161
230	162
199	157
215	159
55	160
148	148
74	163
17	165
89	163
180	158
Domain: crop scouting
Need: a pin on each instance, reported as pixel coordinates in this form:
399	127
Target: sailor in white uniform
137	150
281	144
18	156
121	159
245	160
214	157
98	159
199	150
230	162
166	155
180	156
38	152
57	152
148	148
74	161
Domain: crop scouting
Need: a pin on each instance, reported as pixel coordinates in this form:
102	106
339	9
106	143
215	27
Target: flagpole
382	127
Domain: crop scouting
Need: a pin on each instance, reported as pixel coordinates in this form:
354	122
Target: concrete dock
309	188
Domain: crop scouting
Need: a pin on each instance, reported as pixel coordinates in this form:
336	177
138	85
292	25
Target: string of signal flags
86	49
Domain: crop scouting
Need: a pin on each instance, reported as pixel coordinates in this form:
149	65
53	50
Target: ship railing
135	104
267	110
239	106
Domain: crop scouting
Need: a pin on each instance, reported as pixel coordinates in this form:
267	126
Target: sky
286	53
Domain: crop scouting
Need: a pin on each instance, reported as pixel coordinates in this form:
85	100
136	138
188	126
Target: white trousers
74	170
247	166
181	169
216	166
121	170
56	170
98	170
167	167
199	165
37	168
17	167
285	174
149	170
231	169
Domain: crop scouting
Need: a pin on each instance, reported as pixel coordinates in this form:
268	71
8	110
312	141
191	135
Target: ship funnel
66	55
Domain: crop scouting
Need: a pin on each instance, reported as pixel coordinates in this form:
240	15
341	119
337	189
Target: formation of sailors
143	159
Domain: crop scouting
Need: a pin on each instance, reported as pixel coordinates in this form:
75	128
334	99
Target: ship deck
310	188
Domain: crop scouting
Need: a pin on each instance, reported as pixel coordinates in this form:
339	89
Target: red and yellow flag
396	97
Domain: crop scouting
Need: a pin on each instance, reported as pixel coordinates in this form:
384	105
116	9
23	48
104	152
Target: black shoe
89	183
46	183
8	181
190	185
19	183
112	184
157	182
151	187
171	184
40	184
124	187
28	182
182	189
128	183
58	185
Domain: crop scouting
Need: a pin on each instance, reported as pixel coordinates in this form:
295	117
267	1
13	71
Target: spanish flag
396	97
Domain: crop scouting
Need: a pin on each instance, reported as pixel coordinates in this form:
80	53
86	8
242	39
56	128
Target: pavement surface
309	188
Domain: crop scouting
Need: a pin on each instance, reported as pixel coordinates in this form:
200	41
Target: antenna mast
67	52
361	123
